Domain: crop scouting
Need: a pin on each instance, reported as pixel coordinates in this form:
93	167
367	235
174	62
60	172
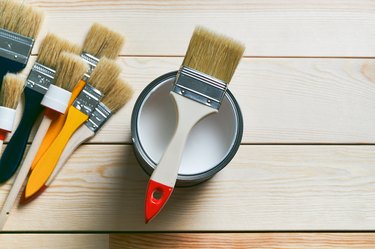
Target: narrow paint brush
19	26
208	67
39	80
77	115
9	97
70	69
100	43
116	98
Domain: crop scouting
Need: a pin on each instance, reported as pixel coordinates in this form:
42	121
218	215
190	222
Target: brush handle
45	166
57	125
80	136
164	177
15	149
22	173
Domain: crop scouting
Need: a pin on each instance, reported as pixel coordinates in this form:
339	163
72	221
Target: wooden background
307	160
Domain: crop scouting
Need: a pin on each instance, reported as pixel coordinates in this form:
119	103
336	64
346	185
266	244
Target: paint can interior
212	143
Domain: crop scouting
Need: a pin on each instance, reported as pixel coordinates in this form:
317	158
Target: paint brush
100	81
201	82
100	42
9	97
19	26
39	80
116	98
70	68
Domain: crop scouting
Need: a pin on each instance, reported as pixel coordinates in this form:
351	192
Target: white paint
209	141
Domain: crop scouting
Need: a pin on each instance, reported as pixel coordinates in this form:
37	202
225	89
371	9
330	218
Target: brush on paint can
19	26
70	68
201	83
38	81
101	81
9	97
115	99
100	42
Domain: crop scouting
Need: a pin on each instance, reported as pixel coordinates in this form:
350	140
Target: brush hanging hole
7	213
157	194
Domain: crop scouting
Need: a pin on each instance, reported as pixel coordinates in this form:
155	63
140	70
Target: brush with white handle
10	95
200	86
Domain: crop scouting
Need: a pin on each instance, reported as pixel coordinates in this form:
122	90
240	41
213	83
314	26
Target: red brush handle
156	197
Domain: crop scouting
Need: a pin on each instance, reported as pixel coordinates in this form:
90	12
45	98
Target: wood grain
268	28
271	188
242	240
282	100
55	241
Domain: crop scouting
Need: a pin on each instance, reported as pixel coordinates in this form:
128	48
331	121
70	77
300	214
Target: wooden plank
244	240
56	241
268	28
282	100
264	188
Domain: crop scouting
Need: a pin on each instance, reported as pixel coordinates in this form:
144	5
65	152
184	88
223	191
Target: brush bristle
51	48
11	90
70	69
118	96
101	41
213	54
104	75
20	18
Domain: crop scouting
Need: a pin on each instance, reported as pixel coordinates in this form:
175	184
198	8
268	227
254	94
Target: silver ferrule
15	47
88	99
92	61
98	117
200	87
40	78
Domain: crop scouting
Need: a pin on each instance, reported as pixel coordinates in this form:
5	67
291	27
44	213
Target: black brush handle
15	149
3	72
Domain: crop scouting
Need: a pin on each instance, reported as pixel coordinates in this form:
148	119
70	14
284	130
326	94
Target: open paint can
211	145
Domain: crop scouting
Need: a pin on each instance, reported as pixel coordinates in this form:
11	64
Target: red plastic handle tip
156	197
3	134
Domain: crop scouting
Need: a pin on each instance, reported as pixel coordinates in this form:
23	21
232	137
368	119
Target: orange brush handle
47	163
57	125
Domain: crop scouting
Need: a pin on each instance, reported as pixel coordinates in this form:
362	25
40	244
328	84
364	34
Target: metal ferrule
40	78
88	99
15	47
200	87
98	117
92	61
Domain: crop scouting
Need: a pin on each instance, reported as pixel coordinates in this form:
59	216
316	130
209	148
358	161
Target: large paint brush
69	69
39	80
208	67
100	42
78	114
19	26
9	97
119	94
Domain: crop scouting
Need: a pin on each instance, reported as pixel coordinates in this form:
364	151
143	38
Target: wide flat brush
116	98
39	80
70	69
19	26
208	67
9	97
100	43
77	115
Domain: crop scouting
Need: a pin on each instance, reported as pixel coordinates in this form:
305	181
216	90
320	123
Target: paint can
211	145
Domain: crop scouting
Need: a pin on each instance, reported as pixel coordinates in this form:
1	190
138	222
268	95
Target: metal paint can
212	143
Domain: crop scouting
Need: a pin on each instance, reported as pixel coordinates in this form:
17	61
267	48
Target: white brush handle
80	136
24	170
189	113
1	146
